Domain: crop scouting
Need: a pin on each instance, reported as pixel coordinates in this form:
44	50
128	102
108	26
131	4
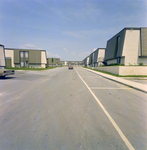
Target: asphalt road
63	109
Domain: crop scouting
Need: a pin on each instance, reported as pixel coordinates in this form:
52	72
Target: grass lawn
32	69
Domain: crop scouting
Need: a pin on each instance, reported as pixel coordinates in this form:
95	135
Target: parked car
70	67
6	72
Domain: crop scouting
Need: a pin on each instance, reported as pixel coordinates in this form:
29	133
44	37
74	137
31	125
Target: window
26	55
21	54
118	43
22	64
117	46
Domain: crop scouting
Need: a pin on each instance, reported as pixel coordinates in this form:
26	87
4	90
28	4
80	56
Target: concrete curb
138	86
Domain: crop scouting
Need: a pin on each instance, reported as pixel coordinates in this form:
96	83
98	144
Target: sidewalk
135	85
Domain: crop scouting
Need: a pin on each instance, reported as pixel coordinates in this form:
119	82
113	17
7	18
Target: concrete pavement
138	86
53	109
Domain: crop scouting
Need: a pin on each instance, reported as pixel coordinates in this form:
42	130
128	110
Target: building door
24	59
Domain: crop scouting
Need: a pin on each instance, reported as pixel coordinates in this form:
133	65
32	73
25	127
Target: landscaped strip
32	69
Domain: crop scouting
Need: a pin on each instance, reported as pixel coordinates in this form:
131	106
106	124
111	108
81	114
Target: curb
131	84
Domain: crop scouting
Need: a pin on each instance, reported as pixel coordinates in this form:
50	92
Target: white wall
100	63
87	60
113	69
2	56
36	66
101	55
131	47
10	53
133	70
43	57
43	65
124	70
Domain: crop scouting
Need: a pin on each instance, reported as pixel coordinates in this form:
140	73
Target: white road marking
109	88
128	144
1	94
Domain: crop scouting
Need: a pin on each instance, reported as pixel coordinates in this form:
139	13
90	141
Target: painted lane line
128	144
109	88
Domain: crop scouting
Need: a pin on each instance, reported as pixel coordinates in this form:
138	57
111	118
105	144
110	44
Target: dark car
70	67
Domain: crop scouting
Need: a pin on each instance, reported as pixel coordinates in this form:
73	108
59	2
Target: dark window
117	45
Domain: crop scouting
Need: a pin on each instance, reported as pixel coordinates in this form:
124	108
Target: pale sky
68	29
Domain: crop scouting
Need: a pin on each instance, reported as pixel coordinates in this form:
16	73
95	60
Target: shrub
115	64
140	64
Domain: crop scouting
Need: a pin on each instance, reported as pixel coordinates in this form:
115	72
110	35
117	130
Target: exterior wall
88	61
114	46
101	55
114	70
95	56
43	59
122	61
56	62
124	70
36	58
144	41
126	47
2	56
35	66
85	62
142	60
10	53
98	57
100	63
8	62
131	47
113	61
133	70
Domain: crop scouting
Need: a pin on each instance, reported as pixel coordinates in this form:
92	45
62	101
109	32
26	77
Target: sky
67	29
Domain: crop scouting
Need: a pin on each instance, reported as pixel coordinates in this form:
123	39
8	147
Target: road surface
61	109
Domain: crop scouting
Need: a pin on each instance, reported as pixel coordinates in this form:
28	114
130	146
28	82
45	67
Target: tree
52	61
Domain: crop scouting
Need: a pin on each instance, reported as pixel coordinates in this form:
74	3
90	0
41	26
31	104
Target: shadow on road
6	78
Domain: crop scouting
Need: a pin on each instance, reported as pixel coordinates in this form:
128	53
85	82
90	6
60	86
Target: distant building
25	58
53	62
75	63
128	47
63	63
86	61
95	58
2	56
98	57
80	63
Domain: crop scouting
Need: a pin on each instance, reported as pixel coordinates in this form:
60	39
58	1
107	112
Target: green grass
116	74
32	69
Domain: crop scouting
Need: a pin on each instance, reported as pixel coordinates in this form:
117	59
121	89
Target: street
61	109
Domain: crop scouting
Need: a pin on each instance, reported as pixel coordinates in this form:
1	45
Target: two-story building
128	47
25	58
